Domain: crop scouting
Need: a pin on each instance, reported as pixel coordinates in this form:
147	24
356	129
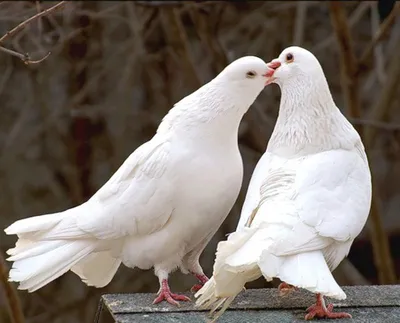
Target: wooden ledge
367	304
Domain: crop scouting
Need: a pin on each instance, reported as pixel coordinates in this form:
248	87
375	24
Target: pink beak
272	66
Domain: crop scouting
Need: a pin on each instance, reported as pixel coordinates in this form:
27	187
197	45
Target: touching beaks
269	72
272	66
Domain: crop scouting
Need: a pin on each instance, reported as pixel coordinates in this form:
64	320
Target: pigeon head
295	65
247	72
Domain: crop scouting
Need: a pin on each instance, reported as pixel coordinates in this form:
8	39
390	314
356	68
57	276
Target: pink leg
165	294
285	289
321	311
202	279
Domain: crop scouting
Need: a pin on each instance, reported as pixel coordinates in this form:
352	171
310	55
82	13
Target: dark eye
251	74
289	58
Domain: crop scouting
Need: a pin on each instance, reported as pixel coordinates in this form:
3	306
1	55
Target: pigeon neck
306	97
208	112
309	121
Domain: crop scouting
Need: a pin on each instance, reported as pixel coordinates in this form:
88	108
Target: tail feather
28	248
209	300
55	226
51	244
227	281
97	269
245	257
307	270
34	272
29	227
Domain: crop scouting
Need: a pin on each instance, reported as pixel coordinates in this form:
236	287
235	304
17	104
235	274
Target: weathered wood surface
367	304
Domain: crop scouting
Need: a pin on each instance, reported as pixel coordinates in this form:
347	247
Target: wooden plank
360	315
260	299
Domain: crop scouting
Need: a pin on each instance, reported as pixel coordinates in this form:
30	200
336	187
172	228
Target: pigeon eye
289	58
251	74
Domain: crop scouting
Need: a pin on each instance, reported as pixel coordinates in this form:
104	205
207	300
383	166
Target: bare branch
23	24
378	36
25	57
379	239
347	60
355	17
383	103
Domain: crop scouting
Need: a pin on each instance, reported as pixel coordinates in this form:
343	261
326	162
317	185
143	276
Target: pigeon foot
166	294
285	289
320	310
202	279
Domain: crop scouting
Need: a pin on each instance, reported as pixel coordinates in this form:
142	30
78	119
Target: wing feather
136	200
314	201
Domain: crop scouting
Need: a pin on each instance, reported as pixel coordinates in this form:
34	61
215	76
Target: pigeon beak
272	66
269	75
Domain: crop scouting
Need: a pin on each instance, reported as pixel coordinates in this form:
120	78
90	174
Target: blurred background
115	70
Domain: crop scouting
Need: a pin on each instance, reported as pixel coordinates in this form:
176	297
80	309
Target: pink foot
165	294
321	311
285	289
202	279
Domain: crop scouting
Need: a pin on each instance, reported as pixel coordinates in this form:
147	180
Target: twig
25	57
388	22
383	103
379	239
355	16
23	24
14	304
348	63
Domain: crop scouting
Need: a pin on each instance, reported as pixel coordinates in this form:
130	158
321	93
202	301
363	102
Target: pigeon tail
50	245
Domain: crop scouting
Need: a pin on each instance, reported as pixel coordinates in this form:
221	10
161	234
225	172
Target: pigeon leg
166	294
196	270
285	289
202	280
320	310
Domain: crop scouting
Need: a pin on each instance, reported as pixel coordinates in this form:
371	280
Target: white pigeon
308	199
162	206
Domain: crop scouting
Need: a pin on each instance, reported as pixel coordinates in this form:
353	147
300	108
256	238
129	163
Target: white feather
165	202
309	196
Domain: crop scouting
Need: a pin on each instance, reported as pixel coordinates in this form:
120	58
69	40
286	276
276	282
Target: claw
202	279
166	294
285	289
320	310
